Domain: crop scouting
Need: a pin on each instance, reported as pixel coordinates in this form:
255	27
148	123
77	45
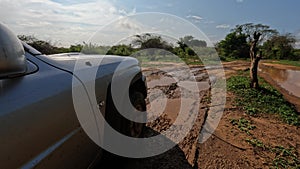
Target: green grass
287	62
257	143
283	157
168	59
243	125
264	100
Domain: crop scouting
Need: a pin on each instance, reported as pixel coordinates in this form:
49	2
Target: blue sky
279	14
67	22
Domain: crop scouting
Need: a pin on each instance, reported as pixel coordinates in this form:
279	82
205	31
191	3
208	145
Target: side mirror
12	55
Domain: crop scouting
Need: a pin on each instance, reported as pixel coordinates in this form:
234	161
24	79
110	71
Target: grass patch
285	157
243	125
257	143
282	157
144	59
287	62
264	100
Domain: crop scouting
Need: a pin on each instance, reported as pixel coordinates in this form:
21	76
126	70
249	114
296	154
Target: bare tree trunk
254	61
253	73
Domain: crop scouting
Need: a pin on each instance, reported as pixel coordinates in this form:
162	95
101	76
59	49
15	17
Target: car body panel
38	124
36	112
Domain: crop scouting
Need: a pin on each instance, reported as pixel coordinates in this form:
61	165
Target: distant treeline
46	47
154	47
236	45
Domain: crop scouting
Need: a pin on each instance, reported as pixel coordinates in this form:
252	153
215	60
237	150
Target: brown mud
229	146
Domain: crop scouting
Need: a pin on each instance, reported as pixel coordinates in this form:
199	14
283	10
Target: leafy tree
75	48
27	38
186	46
146	41
234	46
121	50
181	44
249	29
42	46
140	39
46	47
190	52
244	41
179	51
256	34
279	47
190	41
184	52
150	42
296	54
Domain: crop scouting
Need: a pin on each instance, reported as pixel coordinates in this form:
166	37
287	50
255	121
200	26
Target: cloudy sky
66	22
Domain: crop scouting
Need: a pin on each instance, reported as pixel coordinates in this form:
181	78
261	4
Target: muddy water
286	78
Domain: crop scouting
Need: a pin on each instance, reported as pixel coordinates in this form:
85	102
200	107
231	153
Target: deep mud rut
172	86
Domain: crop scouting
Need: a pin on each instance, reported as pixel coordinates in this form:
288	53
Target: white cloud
124	12
128	24
67	23
239	1
223	26
195	18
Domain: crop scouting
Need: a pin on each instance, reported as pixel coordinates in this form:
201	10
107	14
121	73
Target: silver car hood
68	61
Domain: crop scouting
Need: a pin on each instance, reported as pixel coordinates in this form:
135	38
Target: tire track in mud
183	155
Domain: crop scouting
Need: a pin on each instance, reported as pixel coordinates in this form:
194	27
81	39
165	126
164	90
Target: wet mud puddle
286	78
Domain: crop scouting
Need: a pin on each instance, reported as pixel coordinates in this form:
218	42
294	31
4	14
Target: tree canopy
279	47
272	45
146	41
190	41
249	29
234	45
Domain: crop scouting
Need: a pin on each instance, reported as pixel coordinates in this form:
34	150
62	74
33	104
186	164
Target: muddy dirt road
229	146
167	86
